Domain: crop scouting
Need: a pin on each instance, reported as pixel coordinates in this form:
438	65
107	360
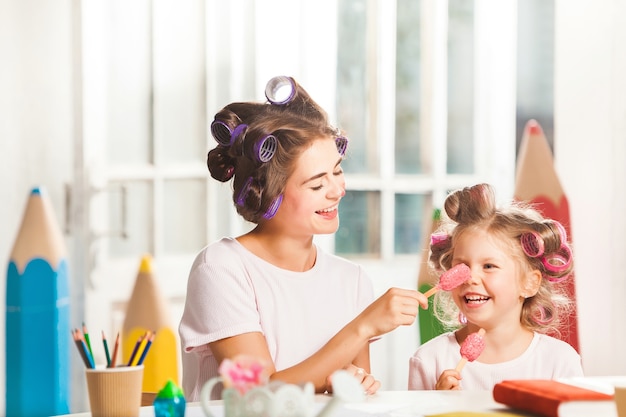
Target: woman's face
312	193
494	294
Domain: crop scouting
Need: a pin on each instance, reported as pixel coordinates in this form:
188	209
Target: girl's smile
492	295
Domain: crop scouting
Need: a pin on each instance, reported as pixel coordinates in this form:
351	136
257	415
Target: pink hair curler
532	244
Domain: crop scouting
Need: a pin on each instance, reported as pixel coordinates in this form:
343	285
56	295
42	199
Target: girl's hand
450	379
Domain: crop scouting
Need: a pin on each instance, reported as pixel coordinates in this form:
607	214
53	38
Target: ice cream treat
451	279
471	348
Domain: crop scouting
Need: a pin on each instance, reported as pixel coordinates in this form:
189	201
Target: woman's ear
531	283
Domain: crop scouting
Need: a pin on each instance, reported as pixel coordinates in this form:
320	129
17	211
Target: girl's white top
231	291
545	358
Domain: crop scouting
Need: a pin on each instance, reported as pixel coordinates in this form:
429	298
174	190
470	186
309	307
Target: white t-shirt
545	358
231	291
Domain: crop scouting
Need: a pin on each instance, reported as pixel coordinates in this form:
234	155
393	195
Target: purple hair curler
223	134
241	197
280	90
273	208
342	144
265	148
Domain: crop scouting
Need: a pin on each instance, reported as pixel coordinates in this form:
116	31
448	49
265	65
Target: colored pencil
82	346
141	348
115	350
37	303
81	351
132	355
106	349
145	350
86	334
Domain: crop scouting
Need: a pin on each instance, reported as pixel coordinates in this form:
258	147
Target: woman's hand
450	379
394	308
369	384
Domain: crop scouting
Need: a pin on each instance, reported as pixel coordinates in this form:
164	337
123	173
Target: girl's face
494	295
312	193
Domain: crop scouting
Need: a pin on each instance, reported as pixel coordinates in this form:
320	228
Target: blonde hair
473	208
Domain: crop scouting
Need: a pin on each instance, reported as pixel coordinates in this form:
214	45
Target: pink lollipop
471	348
451	279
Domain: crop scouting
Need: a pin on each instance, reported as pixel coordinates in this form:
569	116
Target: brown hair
295	126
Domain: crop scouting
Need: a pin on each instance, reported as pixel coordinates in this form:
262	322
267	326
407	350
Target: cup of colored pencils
84	346
113	390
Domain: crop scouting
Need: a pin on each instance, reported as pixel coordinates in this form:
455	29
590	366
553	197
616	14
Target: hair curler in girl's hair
559	261
532	244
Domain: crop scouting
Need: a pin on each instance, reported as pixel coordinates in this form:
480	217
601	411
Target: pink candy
451	279
471	348
473	345
454	277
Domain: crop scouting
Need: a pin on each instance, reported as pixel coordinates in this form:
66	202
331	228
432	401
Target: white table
404	404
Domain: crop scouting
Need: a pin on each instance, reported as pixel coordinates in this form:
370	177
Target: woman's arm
350	346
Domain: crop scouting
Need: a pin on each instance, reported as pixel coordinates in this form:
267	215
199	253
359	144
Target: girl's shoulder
437	344
547	342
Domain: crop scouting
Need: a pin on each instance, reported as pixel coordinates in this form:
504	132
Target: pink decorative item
451	279
243	373
471	348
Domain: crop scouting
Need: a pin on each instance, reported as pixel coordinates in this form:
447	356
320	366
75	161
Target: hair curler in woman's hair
280	90
342	144
271	210
223	134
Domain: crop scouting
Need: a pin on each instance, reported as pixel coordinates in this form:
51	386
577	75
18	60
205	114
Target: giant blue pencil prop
37	316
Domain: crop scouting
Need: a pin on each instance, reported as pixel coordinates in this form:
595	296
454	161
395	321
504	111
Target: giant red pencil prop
537	182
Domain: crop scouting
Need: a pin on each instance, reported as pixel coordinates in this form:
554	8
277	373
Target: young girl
272	294
515	256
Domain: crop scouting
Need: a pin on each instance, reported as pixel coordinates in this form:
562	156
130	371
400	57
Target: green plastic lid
170	390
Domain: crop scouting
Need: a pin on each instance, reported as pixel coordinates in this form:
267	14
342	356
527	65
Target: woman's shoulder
221	250
224	245
337	262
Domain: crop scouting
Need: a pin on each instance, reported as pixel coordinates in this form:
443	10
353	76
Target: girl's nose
474	277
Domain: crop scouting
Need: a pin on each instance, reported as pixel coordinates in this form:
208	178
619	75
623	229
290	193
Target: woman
272	294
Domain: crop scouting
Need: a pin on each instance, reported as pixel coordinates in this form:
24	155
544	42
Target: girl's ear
531	284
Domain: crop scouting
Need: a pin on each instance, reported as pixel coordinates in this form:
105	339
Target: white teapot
281	399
